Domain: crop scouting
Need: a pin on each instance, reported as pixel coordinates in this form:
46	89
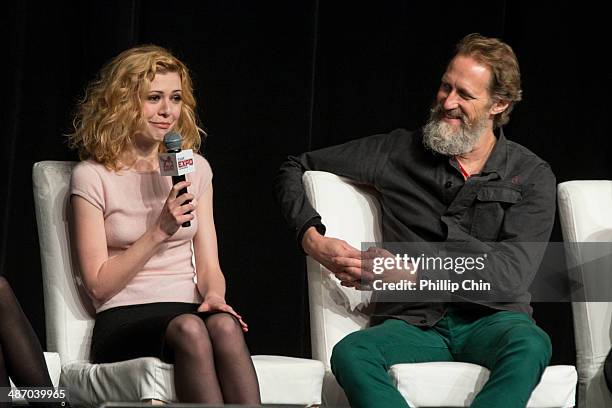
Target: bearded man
454	181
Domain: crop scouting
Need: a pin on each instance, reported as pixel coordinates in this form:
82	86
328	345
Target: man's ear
498	107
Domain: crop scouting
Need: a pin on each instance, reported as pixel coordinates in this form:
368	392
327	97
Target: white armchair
585	210
352	213
70	319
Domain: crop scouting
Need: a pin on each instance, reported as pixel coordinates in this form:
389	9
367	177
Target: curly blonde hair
110	113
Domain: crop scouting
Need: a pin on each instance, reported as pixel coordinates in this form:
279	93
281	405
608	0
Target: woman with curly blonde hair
110	114
134	256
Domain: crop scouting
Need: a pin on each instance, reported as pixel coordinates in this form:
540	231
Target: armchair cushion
282	380
54	365
423	386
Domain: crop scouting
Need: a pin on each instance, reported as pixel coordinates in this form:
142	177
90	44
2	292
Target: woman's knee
5	287
6	293
186	330
223	325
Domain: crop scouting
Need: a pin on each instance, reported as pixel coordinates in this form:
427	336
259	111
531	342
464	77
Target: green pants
509	344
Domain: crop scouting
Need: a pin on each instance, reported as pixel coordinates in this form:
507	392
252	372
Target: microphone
176	162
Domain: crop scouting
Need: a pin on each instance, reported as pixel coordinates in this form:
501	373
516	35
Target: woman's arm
211	282
103	276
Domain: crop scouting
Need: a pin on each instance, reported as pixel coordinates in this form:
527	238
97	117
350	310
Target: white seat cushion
289	380
54	365
282	380
131	380
423	385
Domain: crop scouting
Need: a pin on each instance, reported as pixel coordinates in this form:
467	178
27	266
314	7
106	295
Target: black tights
212	363
21	356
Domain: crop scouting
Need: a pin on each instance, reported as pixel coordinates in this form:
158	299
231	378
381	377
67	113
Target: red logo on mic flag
183	164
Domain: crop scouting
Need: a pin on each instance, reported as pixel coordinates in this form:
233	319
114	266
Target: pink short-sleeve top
130	202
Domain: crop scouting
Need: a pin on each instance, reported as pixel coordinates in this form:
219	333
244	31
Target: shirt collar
498	160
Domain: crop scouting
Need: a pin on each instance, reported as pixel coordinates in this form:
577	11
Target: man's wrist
310	239
313	222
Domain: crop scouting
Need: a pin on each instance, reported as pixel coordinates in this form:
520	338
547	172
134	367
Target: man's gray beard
442	138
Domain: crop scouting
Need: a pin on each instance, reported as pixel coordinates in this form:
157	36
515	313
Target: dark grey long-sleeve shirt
424	198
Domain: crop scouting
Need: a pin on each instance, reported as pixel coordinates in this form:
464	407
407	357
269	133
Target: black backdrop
278	77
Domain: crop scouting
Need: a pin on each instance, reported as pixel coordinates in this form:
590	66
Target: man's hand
337	255
369	273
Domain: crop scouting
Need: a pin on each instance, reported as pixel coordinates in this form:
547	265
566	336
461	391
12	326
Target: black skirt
127	332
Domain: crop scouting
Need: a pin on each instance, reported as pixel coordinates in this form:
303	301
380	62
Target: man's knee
531	343
540	345
350	349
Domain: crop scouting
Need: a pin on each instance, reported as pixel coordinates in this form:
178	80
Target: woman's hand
217	304
176	210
